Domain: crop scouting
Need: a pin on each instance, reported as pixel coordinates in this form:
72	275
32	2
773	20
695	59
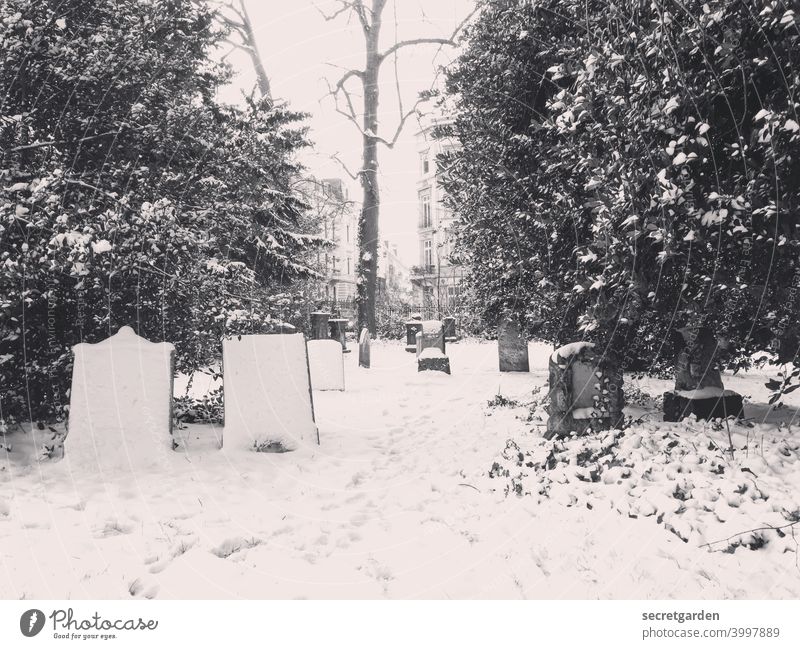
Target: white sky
300	50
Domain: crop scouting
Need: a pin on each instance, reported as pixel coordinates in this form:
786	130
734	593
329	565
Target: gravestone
338	327
120	414
698	380
413	327
363	348
512	346
450	329
431	335
432	359
585	391
326	364
268	402
319	325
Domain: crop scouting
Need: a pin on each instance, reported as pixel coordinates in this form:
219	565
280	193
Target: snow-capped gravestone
319	325
326	363
585	391
698	381
363	348
450	334
338	326
413	327
431	335
432	358
512	346
268	403
120	414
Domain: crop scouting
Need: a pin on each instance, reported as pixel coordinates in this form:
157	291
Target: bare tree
370	19
233	14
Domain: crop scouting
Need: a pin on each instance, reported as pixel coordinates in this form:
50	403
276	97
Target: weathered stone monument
363	348
585	391
338	327
319	325
433	359
698	381
450	334
326	364
413	327
120	414
431	335
268	402
512	346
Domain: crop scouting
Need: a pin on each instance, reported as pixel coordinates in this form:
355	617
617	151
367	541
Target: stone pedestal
319	325
432	335
431	359
727	404
585	391
413	327
337	331
512	347
698	381
363	348
450	329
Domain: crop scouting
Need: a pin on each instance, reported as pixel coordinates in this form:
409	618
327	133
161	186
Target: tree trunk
367	276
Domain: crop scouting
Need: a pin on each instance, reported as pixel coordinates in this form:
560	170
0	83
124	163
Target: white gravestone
267	391
120	404
326	362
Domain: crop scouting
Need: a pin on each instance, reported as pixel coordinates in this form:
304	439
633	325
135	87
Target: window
348	233
426	166
425	204
348	265
427	253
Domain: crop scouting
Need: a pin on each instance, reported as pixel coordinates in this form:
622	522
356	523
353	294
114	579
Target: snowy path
395	503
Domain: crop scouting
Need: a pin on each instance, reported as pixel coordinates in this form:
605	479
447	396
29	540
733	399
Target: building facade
435	279
338	218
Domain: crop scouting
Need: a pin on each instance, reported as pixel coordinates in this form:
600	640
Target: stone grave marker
363	348
585	391
512	346
432	359
431	335
450	334
268	402
319	325
326	363
698	381
338	327
413	327
120	414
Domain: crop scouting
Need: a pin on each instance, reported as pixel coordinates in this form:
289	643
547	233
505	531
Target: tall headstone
326	364
120	404
413	327
698	381
450	334
512	346
363	348
319	325
585	391
268	402
338	326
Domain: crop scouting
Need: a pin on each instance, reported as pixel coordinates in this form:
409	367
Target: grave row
121	395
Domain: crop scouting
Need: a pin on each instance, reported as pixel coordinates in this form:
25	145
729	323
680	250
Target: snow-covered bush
681	475
616	183
130	196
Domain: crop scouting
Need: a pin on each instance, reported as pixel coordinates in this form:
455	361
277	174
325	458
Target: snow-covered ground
398	502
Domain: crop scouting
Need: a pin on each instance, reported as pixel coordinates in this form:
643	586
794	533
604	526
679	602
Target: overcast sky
300	50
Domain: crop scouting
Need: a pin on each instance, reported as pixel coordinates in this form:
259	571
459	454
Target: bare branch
352	175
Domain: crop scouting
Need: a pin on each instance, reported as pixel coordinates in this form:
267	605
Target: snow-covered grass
401	500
